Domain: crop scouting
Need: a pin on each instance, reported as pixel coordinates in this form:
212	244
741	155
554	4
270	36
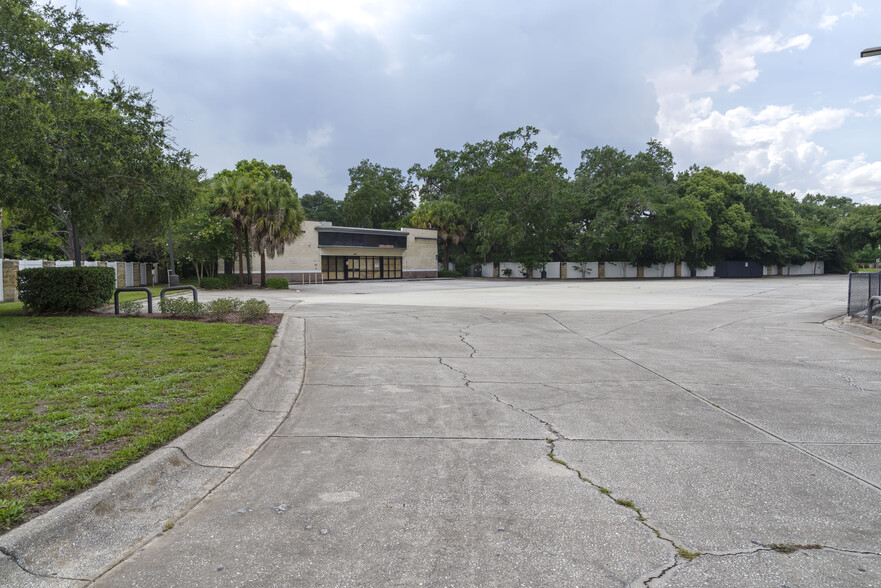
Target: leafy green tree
275	215
619	199
776	234
321	207
256	169
99	160
31	241
378	197
820	215
861	227
720	196
202	238
515	196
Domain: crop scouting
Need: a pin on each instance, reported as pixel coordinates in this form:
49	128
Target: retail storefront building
329	253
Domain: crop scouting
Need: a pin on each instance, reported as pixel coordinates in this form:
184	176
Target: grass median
83	397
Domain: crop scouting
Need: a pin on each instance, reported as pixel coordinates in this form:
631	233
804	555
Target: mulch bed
273	319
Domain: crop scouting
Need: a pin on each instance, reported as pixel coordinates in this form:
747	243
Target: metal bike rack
873	302
133	289
193	288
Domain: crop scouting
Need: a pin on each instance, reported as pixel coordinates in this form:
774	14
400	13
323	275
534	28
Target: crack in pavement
682	553
782	549
551	429
15	559
463	332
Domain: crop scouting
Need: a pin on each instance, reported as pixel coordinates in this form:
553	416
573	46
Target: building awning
331	236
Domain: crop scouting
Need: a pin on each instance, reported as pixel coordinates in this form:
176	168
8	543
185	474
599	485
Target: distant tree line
509	200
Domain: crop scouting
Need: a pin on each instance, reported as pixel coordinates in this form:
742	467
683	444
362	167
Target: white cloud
855	176
829	20
737	65
775	144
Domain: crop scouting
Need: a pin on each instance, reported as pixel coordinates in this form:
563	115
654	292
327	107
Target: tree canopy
96	158
378	197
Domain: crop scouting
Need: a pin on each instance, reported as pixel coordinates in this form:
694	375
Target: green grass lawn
82	397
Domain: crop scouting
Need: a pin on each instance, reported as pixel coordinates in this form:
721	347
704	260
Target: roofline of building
335	229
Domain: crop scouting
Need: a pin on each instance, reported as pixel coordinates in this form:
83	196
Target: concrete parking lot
512	433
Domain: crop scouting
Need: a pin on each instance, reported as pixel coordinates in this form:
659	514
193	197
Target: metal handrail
193	288
133	289
874	300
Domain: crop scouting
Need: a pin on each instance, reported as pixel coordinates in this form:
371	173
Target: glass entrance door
339	267
353	268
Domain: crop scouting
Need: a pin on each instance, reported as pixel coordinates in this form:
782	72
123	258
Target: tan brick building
332	253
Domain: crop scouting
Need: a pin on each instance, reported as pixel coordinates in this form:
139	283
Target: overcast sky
773	90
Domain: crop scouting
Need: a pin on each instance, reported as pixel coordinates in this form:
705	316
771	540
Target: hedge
65	289
277	282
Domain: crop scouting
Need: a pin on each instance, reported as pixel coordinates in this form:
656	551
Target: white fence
127	273
619	270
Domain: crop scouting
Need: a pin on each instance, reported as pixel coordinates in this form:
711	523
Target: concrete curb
82	538
849	327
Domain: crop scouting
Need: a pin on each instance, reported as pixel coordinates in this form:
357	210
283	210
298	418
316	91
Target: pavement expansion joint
726	411
17	561
410	438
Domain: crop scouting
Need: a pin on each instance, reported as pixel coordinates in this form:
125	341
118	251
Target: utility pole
173	279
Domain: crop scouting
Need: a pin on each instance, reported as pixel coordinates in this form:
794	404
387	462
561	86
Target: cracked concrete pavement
498	433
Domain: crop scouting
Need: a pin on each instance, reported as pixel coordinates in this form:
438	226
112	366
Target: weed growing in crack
604	490
625	502
688	555
791	547
556	459
168	526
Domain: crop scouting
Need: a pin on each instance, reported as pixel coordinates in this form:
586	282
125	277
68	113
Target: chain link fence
860	288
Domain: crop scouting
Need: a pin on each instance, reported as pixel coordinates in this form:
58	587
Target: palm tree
447	218
233	197
275	216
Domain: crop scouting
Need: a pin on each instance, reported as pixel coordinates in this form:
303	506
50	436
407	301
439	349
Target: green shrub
180	306
194	309
218	309
253	309
65	289
211	284
173	306
277	282
228	280
448	274
131	307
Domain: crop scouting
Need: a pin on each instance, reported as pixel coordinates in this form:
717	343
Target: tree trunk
77	255
1	234
241	260
446	256
248	259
